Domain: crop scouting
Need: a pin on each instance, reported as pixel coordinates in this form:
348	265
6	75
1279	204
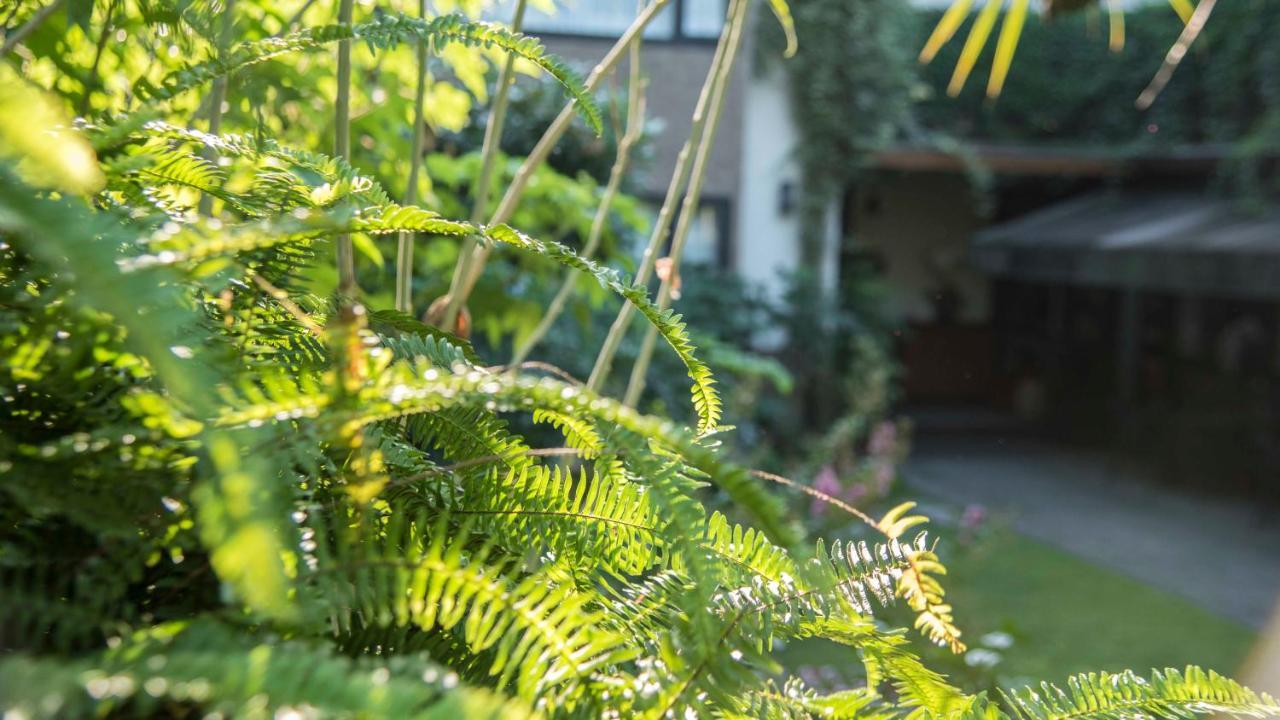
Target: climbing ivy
851	84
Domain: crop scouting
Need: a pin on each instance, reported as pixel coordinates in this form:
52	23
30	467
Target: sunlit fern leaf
1167	695
919	586
82	244
465	433
193	243
1007	44
341	180
585	520
384	31
840	582
578	433
407	390
223	670
1184	8
954	16
795	701
545	636
1115	17
706	400
888	659
409	338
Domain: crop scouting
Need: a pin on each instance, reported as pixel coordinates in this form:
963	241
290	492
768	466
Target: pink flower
974	515
827	483
883	439
884	477
854	493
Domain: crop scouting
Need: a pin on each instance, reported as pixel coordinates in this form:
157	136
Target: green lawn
1066	614
1070	615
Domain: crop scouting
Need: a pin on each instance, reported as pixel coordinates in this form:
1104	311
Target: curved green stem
484	180
675	190
689	209
479	254
404	246
217	96
342	148
11	41
632	134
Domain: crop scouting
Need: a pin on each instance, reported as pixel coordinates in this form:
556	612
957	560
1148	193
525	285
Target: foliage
224	493
844	108
1222	91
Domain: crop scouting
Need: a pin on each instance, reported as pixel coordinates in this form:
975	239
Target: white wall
767	243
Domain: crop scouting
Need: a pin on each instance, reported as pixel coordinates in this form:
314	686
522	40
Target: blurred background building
1107	273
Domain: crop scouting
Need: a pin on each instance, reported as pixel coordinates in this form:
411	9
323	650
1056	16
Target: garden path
1222	554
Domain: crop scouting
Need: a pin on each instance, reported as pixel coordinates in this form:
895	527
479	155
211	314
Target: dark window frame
722	206
678	35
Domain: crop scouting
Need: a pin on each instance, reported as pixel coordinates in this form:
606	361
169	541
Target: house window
681	20
708	242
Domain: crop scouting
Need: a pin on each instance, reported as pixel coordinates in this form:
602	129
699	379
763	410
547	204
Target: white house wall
767	240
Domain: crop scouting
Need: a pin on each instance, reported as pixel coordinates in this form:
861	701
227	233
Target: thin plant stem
488	158
634	130
689	208
92	79
675	190
297	17
342	148
1176	53
217	96
515	190
11	41
404	247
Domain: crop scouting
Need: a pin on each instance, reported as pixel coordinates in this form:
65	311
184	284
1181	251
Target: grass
1069	615
1066	615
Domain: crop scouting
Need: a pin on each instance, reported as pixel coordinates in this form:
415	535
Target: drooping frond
384	31
1167	695
706	401
578	433
920	586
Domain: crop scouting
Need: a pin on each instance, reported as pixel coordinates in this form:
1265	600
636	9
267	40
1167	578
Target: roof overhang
1038	160
1170	241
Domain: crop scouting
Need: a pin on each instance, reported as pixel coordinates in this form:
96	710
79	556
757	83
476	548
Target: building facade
747	220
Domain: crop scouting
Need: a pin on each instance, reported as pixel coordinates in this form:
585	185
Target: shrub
225	494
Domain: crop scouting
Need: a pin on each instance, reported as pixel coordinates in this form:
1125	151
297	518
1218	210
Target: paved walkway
1221	554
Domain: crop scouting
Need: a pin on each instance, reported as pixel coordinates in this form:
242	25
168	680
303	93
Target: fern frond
887	658
578	433
545	636
410	339
588	521
212	667
341	180
407	390
1166	695
794	701
83	245
386	30
706	401
919	586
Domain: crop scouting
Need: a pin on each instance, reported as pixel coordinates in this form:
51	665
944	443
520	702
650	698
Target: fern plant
226	494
